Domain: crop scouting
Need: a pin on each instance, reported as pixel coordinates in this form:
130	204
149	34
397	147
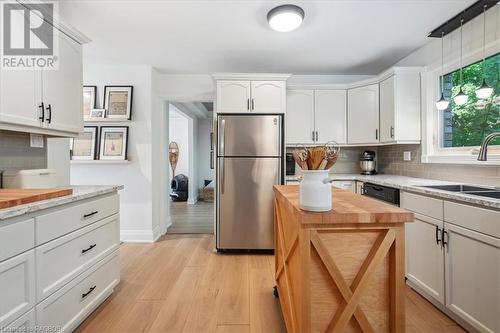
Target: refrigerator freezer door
246	202
249	135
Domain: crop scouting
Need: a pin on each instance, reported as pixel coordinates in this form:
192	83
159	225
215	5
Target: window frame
432	151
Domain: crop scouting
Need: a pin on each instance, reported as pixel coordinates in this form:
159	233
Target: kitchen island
342	270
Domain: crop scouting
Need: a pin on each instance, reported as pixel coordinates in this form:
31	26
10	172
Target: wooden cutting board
10	197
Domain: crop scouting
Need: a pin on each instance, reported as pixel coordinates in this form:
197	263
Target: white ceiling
206	36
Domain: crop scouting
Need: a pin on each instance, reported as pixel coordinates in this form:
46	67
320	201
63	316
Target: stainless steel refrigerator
249	162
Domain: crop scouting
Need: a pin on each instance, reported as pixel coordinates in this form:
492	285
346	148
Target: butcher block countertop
348	208
10	197
56	198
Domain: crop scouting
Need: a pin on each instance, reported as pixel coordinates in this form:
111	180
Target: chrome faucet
483	152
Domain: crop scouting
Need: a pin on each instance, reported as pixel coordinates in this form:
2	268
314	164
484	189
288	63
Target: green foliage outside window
468	124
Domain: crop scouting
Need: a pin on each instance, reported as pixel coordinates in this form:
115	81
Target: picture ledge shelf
100	161
106	120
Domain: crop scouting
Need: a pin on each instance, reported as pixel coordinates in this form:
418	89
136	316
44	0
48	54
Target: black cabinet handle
438	232
49	109
42	116
248	104
253	104
89	248
85	216
88	292
376	134
392	132
446	240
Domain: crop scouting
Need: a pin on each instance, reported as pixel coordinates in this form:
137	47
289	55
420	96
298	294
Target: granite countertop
411	184
79	193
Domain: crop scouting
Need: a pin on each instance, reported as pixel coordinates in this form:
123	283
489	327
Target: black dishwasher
383	193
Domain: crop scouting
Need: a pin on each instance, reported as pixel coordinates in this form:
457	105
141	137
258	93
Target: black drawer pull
89	248
85	216
88	292
438	232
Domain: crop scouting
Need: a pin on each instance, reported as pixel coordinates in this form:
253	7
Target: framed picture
84	146
97	113
113	143
89	100
118	101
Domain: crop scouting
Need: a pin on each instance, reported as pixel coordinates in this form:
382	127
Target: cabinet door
233	96
268	97
363	114
300	116
330	114
20	96
387	116
472	262
62	89
17	286
424	256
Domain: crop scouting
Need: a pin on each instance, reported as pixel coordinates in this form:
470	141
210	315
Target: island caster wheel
275	292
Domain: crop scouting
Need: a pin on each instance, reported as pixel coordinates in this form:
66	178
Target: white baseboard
137	236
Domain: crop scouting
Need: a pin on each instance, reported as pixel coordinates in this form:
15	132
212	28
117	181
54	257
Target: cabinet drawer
25	323
70	305
478	219
347	185
16	237
61	260
17	286
63	221
422	205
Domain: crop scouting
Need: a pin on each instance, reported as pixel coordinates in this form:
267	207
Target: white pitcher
315	191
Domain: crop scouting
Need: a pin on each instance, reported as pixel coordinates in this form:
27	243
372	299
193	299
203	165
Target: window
468	124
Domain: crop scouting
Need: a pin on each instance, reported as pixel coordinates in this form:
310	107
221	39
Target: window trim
432	152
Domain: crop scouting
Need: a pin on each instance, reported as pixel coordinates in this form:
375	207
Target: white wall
136	215
179	132
203	156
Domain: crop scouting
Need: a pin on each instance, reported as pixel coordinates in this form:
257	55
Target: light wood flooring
191	219
180	285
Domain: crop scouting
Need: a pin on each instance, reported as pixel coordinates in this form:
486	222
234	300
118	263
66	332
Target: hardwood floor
180	285
189	219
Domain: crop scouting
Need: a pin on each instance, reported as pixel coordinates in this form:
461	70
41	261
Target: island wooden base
339	277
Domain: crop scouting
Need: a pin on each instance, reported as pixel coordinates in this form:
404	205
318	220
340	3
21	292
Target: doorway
190	127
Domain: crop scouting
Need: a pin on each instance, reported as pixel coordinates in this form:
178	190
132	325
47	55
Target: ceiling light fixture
442	104
285	18
461	98
485	90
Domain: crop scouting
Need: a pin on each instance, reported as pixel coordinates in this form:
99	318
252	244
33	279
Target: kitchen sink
459	188
489	194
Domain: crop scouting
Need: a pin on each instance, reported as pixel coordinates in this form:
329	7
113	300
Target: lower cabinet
424	255
472	269
347	185
25	323
70	305
17	286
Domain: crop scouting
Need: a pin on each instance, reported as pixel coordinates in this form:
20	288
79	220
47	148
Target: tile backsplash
16	153
390	161
348	161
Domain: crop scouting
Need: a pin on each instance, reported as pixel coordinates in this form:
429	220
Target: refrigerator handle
222	138
222	174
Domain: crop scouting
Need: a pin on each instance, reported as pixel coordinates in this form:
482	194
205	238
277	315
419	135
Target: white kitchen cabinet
268	97
25	323
473	277
62	89
17	286
316	116
347	185
359	187
363	114
330	115
300	117
233	96
425	259
400	107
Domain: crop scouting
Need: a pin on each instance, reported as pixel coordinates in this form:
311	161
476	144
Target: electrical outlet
407	156
36	141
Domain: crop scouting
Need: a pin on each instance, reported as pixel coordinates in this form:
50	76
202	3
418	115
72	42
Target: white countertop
79	193
411	184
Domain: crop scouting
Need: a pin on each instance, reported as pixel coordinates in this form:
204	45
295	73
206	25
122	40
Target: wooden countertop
348	208
11	197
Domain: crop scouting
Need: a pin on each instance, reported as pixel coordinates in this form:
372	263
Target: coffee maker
367	163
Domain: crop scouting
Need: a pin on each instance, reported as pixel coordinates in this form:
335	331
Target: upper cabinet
363	115
243	93
316	116
45	101
400	107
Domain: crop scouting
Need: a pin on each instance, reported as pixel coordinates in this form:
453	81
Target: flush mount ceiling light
285	18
